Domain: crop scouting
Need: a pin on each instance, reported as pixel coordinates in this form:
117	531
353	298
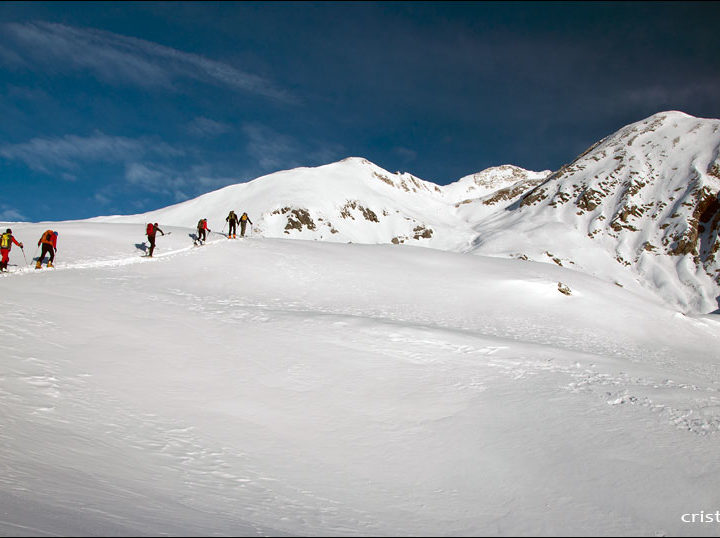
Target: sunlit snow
268	386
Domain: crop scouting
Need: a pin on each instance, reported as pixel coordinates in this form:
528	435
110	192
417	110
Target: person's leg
43	250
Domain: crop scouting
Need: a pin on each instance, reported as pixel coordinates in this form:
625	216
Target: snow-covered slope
638	209
352	200
643	199
277	387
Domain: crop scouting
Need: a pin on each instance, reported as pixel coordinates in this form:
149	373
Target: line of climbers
232	220
202	230
48	241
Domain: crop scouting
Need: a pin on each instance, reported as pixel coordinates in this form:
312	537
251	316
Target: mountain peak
647	196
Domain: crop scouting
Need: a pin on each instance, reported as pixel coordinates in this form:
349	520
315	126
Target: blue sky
124	107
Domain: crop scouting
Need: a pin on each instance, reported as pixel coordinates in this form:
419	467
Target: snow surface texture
266	386
638	208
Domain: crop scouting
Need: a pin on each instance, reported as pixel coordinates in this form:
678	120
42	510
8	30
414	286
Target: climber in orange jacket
49	246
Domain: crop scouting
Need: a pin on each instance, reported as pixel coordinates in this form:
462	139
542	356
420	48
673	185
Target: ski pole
26	262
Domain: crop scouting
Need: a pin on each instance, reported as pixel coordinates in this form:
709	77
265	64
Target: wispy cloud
679	92
121	59
101	199
140	173
407	155
178	184
207	128
10	214
10	57
271	149
275	151
67	152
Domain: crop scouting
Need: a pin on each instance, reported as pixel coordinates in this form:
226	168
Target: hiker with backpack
232	221
6	242
150	231
48	240
244	219
202	229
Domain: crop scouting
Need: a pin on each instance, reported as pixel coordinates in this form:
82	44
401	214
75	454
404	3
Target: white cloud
120	59
68	151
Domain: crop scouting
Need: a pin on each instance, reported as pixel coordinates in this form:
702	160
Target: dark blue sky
124	107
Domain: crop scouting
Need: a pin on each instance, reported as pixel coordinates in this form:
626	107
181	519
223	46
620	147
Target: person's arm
15	241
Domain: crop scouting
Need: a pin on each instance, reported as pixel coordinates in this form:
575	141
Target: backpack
48	236
200	224
5	241
150	229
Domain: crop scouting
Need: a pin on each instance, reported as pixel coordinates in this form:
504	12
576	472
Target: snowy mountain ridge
352	200
638	208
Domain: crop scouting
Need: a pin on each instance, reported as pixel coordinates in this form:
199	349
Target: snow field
269	387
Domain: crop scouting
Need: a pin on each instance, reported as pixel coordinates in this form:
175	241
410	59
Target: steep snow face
644	198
